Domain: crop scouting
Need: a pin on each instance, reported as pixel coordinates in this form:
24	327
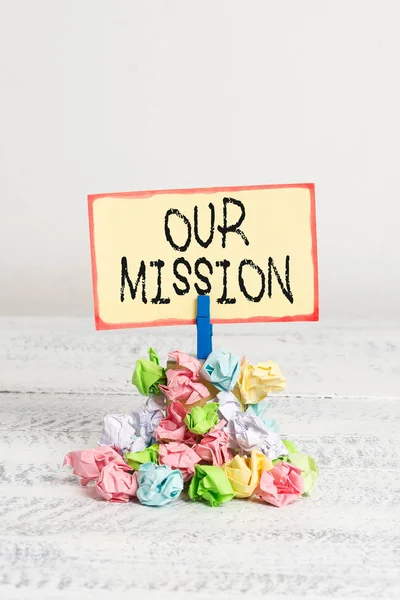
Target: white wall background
100	96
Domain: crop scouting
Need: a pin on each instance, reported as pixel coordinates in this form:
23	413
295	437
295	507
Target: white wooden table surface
58	378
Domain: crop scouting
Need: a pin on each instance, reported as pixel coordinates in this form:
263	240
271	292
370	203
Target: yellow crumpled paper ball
244	473
257	381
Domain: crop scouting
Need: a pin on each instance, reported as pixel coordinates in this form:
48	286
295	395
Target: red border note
102	325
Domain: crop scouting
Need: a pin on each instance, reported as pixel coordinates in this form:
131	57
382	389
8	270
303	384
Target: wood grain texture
358	360
57	541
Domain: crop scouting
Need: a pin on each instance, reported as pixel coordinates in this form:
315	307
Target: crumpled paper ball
213	447
260	410
247	432
179	456
210	484
228	407
309	470
88	464
221	368
307	464
290	446
147	420
180	386
200	419
244	473
148	374
173	428
189	363
119	431
158	484
281	485
136	459
136	431
117	483
257	381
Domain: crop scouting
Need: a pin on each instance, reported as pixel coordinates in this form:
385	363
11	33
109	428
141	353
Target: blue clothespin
204	327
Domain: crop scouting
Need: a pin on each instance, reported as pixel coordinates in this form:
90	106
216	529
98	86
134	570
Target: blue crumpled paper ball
158	484
260	410
222	369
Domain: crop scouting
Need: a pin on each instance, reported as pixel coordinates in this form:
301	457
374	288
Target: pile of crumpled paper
204	426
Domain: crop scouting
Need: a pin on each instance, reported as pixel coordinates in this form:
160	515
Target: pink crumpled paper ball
179	456
181	386
183	383
282	485
173	428
191	363
213	447
117	483
88	464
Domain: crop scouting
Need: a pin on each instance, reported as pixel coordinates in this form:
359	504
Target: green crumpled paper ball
136	459
307	464
148	374
211	485
290	446
201	418
309	469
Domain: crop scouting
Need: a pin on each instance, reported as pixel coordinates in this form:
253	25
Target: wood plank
68	355
57	541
